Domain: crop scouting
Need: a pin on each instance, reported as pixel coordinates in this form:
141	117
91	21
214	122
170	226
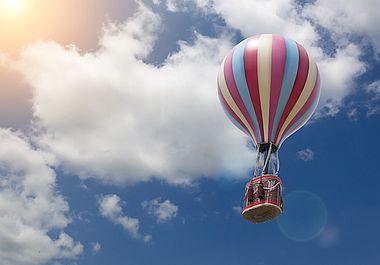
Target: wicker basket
263	200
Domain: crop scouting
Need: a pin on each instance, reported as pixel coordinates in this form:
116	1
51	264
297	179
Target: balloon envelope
269	87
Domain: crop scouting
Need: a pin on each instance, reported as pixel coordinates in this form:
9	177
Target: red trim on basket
258	178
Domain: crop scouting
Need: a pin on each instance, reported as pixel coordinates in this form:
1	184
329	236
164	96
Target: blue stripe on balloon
303	119
235	122
241	83
290	74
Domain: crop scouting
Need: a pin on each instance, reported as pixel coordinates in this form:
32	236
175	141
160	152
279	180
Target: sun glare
12	5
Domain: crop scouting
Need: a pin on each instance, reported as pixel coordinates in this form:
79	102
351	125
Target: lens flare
12	5
304	217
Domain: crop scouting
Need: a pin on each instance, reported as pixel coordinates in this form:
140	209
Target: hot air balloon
269	88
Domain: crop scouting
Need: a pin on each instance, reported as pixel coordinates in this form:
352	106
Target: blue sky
115	149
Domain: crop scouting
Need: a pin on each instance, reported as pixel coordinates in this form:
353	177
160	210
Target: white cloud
30	207
175	5
372	103
305	155
172	5
348	17
96	248
109	207
253	17
353	114
338	75
374	87
164	211
108	115
147	238
237	208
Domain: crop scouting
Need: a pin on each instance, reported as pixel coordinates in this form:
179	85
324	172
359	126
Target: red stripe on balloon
251	73
305	108
231	86
229	110
277	75
303	69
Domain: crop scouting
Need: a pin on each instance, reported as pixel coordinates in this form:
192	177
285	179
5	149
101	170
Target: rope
272	188
267	159
257	160
278	162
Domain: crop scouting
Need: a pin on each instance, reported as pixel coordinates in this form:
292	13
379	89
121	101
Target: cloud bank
108	115
30	207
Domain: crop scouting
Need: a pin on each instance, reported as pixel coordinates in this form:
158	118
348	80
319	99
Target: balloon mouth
267	161
265	146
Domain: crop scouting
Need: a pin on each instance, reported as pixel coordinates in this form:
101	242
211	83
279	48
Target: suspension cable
267	158
277	162
255	173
